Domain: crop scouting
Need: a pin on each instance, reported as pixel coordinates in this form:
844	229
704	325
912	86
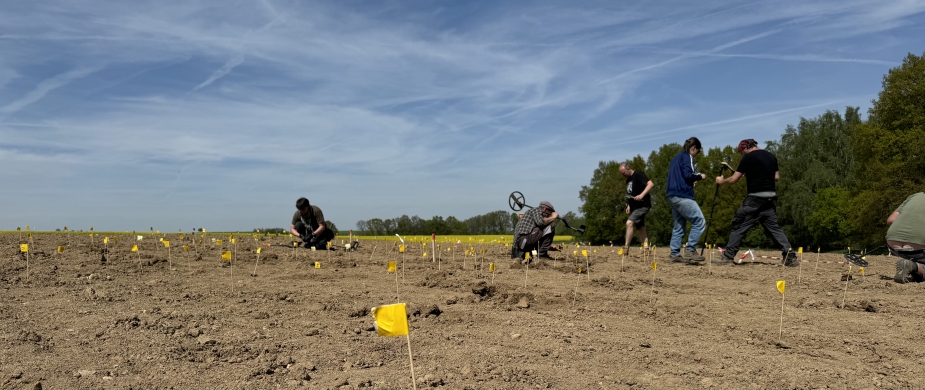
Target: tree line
841	176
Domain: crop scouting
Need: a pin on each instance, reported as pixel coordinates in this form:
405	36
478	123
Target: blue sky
220	114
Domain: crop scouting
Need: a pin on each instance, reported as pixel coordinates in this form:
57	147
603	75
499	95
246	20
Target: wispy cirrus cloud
412	106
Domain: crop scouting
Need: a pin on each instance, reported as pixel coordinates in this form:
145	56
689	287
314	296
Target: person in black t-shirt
638	203
308	224
760	206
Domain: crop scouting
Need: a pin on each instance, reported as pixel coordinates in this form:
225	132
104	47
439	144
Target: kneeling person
308	224
906	238
535	230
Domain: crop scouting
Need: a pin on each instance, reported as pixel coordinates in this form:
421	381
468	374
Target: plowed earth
143	321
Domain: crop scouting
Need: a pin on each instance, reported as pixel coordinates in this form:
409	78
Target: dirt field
75	323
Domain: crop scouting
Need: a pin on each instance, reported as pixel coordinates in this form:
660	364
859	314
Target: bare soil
143	321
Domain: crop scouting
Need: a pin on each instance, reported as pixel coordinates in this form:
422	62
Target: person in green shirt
906	238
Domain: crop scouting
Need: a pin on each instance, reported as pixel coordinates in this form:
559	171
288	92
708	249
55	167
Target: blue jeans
685	210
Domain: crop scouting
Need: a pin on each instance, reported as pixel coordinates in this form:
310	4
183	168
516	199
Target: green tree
890	150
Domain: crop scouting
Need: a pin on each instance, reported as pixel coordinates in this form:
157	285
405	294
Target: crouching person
535	230
308	224
906	238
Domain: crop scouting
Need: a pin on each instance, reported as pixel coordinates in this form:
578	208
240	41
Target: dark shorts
638	217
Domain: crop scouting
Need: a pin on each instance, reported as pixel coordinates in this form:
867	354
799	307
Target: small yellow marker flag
295	244
18	229
467	252
401	249
91	234
135	248
654	266
105	240
186	248
329	244
781	286
166	244
226	255
27	227
620	252
60	249
161	239
234	241
862	270
218	242
491	267
391	266
584	253
30	235
579	269
140	238
24	248
425	254
527	256
575	253
158	232
65	228
391	320
317	264
800	250
259	249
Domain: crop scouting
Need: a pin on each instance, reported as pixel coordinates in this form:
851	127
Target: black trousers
539	239
756	210
321	242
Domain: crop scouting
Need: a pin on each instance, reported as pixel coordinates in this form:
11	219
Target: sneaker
722	260
791	260
906	271
693	257
676	259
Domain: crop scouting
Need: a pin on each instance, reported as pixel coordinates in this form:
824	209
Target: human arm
644	192
293	231
776	176
729	180
552	217
627	209
687	171
892	218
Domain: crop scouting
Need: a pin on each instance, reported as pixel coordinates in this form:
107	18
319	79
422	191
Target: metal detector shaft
706	230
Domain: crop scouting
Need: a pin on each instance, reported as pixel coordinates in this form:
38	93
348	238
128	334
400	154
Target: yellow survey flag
166	244
186	248
491	267
329	244
401	248
105	240
425	254
226	255
467	252
862	270
575	253
18	229
781	286
135	248
527	256
91	234
30	235
218	242
391	266
158	232
584	253
65	228
295	244
317	264
391	320
654	266
24	248
259	249
620	252
161	239
234	241
27	227
60	249
800	250
579	269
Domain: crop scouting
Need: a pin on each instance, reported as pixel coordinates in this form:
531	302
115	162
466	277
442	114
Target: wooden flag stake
816	268
781	286
847	279
800	274
414	384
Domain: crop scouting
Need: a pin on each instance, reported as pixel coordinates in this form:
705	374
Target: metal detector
724	167
517	203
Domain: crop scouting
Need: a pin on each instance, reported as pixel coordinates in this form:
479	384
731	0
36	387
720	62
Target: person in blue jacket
680	189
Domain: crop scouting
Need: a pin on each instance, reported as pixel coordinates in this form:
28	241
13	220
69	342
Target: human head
625	170
547	208
303	205
692	143
746	146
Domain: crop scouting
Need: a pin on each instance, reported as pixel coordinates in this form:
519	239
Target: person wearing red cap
760	206
535	230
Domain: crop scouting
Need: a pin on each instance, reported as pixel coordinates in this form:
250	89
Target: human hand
719	180
638	197
627	209
554	215
703	175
